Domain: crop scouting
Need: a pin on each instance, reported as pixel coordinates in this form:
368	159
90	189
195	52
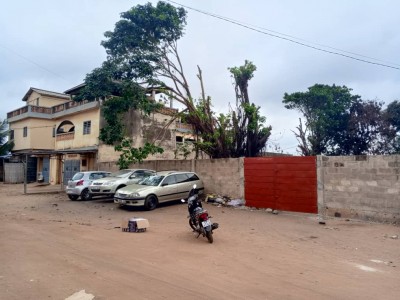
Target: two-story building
59	137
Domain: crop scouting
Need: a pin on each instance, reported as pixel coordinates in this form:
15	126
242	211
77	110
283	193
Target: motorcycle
199	220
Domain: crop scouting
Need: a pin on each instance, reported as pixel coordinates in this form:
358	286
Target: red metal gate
283	183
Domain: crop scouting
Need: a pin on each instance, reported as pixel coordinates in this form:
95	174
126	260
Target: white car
109	185
78	185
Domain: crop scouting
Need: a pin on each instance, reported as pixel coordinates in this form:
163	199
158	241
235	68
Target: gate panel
46	169
70	168
283	183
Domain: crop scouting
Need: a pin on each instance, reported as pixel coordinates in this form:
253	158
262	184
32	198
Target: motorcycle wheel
209	236
191	224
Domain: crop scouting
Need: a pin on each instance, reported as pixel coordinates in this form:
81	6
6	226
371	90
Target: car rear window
180	178
193	177
97	175
78	176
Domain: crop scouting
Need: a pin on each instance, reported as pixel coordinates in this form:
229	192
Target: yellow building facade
59	137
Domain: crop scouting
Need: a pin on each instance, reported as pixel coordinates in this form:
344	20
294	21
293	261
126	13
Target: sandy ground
52	247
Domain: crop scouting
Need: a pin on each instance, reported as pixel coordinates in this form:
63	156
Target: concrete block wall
362	187
224	176
221	176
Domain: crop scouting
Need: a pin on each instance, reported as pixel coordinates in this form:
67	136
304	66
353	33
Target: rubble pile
227	201
224	201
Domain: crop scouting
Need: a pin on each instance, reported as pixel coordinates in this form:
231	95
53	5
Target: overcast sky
52	45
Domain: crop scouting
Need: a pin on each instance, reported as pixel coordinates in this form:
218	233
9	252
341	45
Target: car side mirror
164	184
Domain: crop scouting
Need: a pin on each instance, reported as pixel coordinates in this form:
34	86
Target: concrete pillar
320	188
241	177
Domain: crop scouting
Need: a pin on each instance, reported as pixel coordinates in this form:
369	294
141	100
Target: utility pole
25	172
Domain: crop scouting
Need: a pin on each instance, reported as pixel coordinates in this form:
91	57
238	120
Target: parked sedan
109	185
161	187
78	185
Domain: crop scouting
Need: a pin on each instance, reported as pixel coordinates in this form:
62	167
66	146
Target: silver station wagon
109	185
162	187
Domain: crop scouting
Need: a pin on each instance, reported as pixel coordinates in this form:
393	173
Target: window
65	127
25	133
84	162
137	174
193	177
54	131
169	180
11	134
182	178
86	127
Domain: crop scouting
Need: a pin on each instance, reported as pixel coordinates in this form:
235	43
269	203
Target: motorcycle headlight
134	195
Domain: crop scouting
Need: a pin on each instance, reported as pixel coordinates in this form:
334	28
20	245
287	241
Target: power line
32	62
282	36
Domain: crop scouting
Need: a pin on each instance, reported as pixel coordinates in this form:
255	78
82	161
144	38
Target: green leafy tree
249	134
143	49
392	116
339	123
326	112
5	145
130	154
368	132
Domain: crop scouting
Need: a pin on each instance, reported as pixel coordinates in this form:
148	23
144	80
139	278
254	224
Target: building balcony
65	136
40	112
184	127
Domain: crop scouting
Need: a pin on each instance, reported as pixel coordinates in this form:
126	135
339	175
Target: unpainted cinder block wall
361	187
224	176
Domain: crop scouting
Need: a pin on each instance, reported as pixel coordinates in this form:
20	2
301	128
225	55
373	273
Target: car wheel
151	202
86	195
73	197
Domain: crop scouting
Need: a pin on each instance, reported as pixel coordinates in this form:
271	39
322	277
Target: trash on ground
236	202
218	200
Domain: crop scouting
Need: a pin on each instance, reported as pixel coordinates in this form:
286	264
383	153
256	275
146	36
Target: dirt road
52	247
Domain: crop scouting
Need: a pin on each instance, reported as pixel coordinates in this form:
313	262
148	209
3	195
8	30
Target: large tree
325	109
249	135
392	116
339	123
143	53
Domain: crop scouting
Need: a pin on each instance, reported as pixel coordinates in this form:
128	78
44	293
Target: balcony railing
46	110
41	109
65	136
184	126
17	112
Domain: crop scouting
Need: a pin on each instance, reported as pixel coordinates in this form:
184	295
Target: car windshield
152	180
78	176
121	174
